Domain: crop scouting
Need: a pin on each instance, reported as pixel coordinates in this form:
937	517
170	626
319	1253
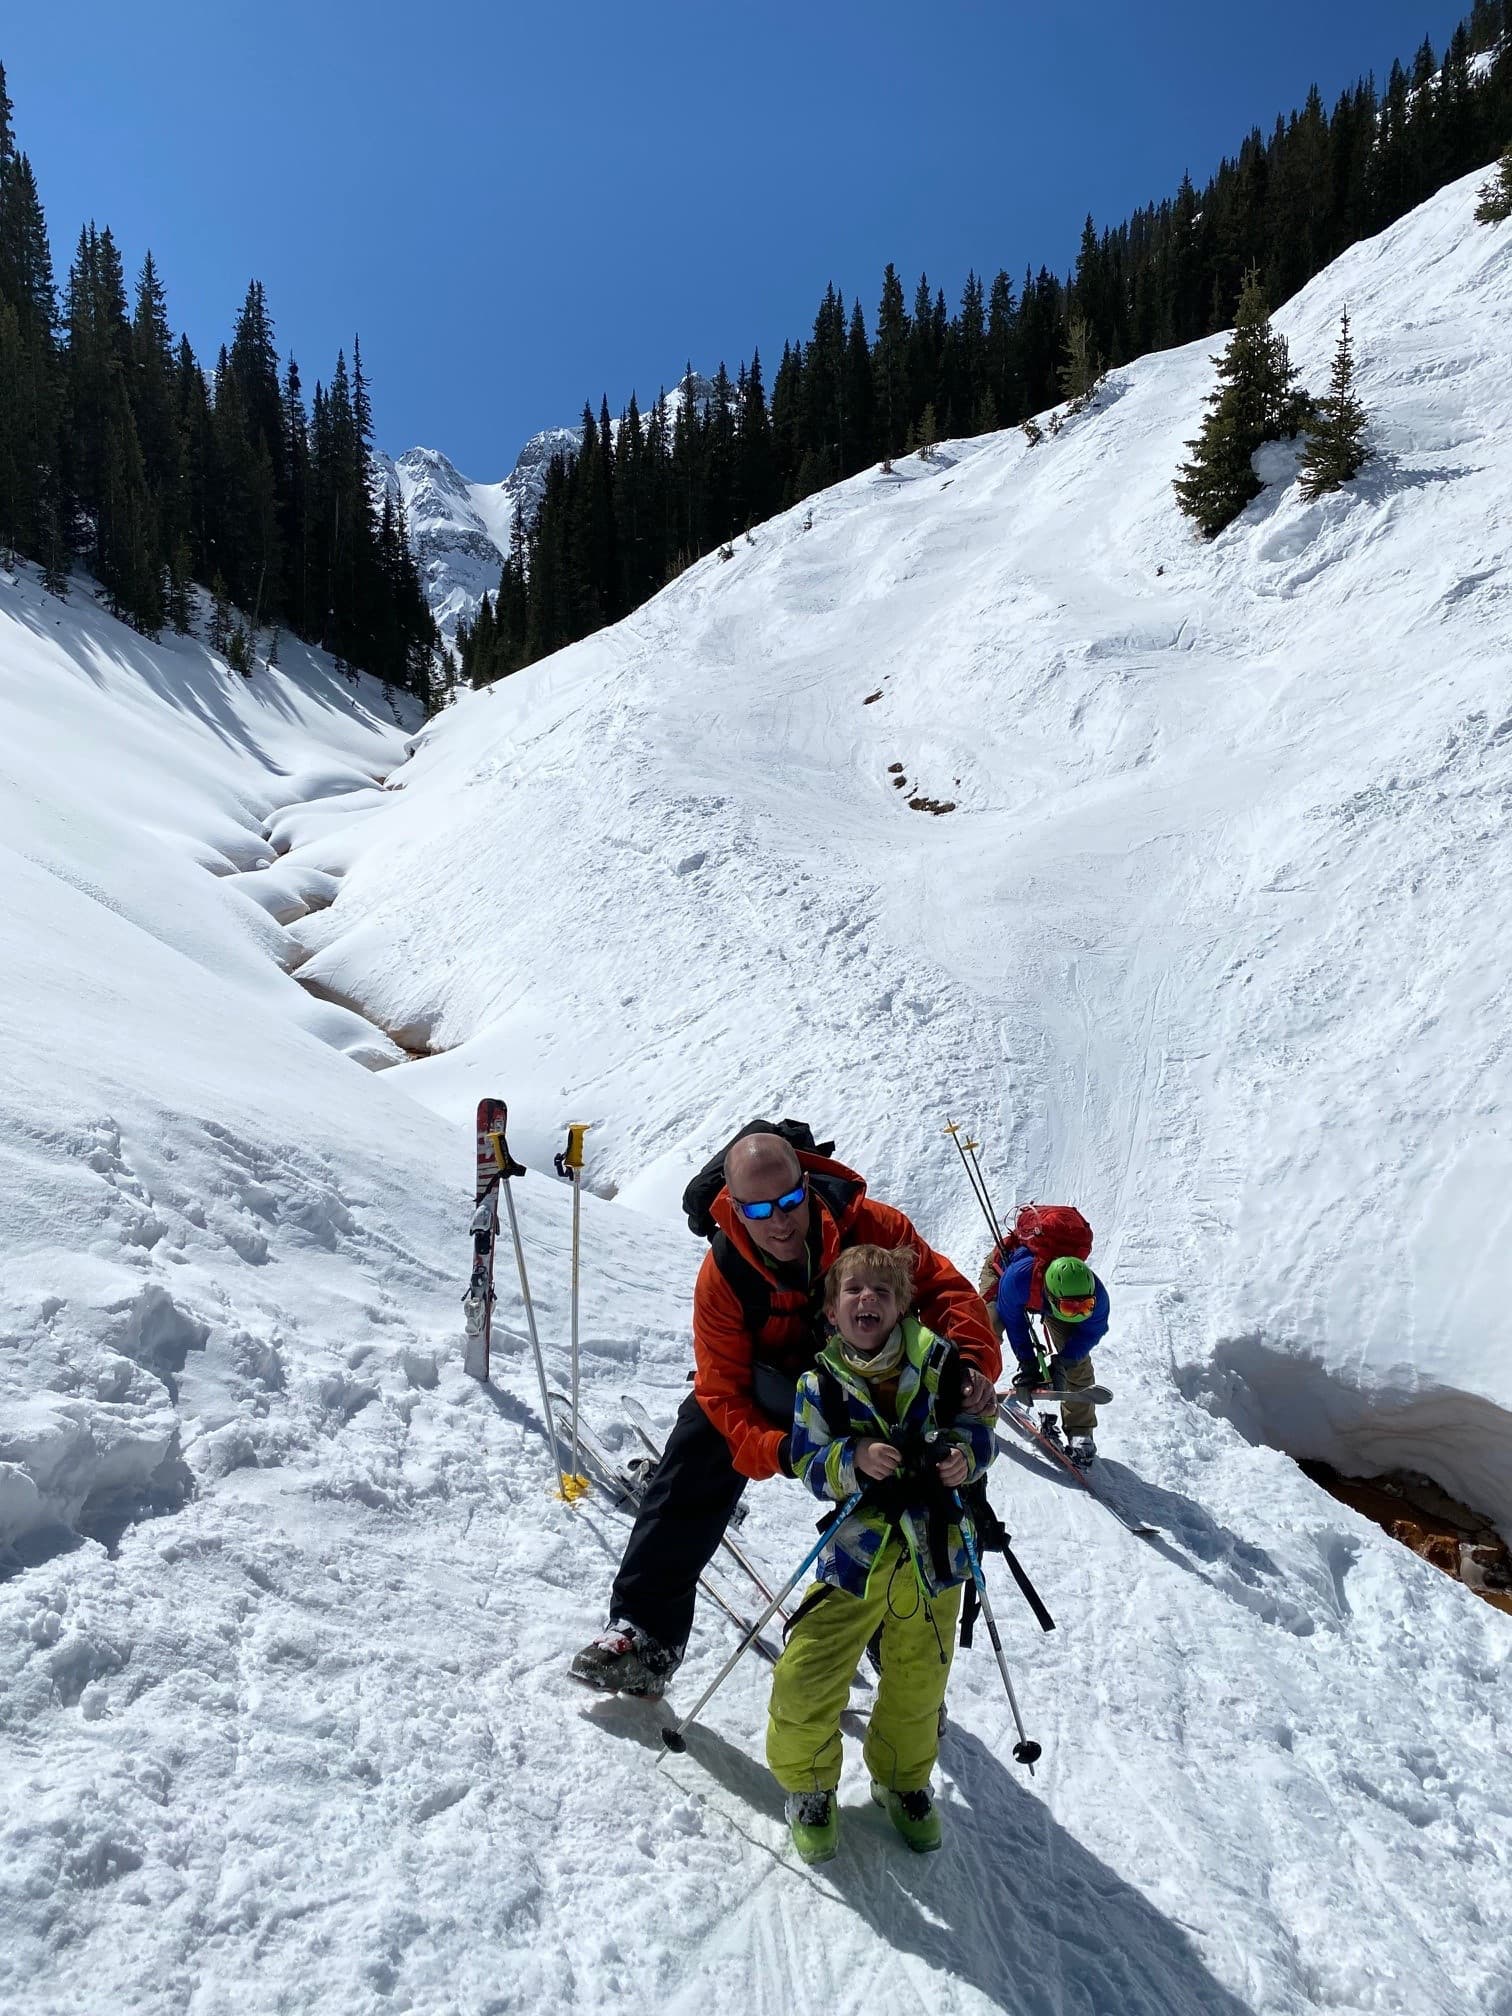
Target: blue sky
520	208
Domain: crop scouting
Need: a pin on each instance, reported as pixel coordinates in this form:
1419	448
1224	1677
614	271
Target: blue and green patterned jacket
824	1456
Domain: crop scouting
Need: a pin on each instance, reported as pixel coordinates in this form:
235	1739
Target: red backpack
1051	1232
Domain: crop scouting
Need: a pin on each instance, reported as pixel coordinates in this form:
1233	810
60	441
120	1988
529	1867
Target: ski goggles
788	1202
1074	1309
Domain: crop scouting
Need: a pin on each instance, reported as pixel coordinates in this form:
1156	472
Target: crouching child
880	1409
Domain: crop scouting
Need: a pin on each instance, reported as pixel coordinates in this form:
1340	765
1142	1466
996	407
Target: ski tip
674	1739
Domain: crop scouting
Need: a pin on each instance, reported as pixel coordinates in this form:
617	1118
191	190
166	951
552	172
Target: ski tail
1028	1427
491	1160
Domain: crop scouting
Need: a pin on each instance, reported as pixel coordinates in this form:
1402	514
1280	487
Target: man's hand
953	1468
1028	1378
978	1395
876	1459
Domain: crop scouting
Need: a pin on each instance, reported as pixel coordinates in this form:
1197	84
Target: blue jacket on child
824	1456
1079	1339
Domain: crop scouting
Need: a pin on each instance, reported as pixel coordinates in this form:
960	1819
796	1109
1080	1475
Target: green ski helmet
1070	1289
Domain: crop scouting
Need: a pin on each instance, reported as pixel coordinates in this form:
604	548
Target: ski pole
992	1217
506	1164
672	1735
1024	1751
570	1164
976	1179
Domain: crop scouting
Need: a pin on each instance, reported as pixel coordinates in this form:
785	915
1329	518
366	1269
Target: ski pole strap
970	1606
1027	1589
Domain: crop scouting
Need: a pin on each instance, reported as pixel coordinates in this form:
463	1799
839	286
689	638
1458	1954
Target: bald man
781	1219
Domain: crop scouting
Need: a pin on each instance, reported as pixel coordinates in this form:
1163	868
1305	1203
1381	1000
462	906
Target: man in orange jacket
781	1219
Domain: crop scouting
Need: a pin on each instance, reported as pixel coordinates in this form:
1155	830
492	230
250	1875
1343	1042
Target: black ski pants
693	1492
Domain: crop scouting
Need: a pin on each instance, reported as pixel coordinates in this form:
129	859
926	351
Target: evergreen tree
923	353
196	432
180	576
1336	449
1254	401
719	459
757	494
857	406
966	353
295	519
253	360
1040	317
1495	203
31	496
1002	386
108	478
240	649
1081	372
890	367
220	616
514	598
154	402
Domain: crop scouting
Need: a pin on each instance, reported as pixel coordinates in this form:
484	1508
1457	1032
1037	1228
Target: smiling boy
882	1409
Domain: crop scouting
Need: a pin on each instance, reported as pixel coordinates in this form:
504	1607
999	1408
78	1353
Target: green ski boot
913	1814
814	1820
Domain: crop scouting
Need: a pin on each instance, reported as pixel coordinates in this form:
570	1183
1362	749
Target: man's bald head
761	1158
759	1169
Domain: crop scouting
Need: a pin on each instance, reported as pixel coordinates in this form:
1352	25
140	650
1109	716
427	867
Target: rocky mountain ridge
459	530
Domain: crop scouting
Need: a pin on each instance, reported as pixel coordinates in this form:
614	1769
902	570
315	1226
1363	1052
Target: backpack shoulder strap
831	1394
952	1387
752	1290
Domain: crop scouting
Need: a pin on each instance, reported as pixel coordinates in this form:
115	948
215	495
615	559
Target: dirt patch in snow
1412	1509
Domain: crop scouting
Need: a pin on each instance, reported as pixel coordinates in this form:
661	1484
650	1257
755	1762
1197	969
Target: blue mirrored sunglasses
768	1205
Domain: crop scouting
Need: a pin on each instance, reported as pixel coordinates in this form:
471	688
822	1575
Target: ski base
1056	1396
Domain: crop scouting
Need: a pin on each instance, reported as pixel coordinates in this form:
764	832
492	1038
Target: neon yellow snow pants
811	1684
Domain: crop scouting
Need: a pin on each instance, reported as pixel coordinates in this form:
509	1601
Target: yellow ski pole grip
573	1153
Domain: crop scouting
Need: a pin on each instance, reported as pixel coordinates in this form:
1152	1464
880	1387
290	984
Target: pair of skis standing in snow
893	1421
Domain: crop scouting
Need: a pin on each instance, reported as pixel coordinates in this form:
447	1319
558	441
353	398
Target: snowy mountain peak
459	530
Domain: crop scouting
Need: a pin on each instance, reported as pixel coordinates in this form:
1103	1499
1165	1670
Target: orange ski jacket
726	1348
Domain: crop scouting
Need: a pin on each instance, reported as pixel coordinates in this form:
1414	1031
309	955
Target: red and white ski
493	1161
1019	1418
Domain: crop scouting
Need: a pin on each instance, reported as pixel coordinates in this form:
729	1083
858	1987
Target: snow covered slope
1209	943
1213	939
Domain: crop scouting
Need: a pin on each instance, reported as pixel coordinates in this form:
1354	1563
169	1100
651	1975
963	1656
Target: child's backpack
1051	1232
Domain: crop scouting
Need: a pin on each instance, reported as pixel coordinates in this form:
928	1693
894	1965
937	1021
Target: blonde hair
888	1266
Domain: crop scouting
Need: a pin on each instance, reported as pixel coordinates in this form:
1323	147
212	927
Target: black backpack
709	1181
